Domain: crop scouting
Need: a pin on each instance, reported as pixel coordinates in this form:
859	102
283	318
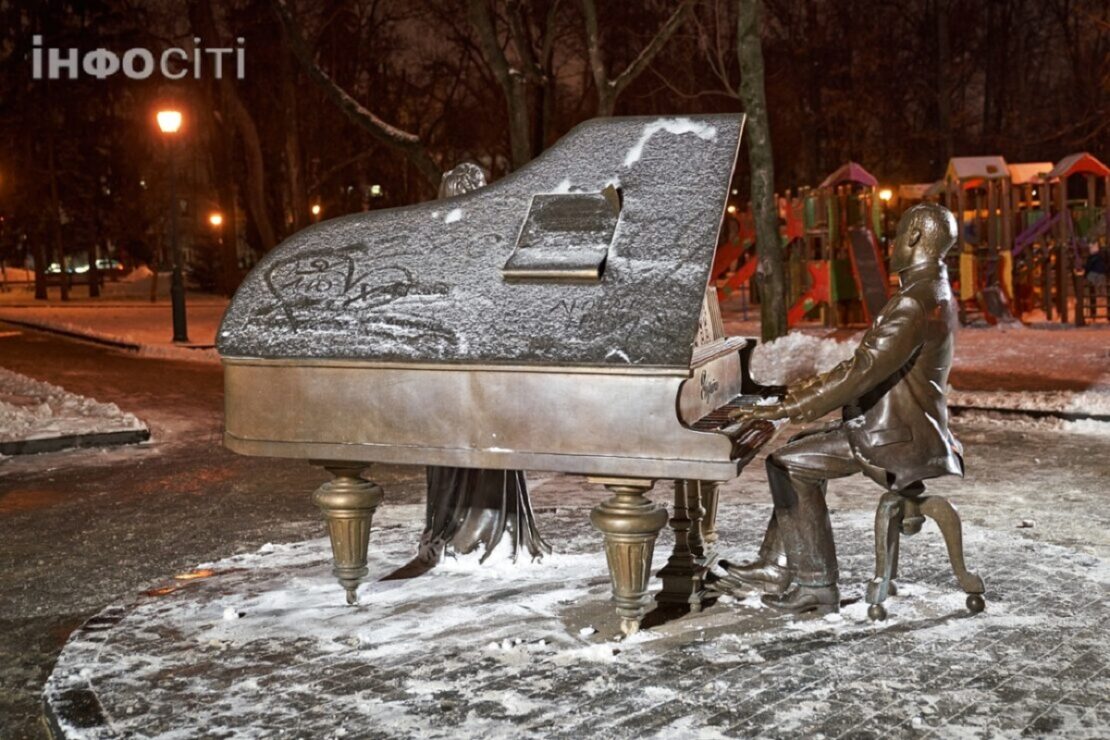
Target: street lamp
885	195
216	219
315	211
169	122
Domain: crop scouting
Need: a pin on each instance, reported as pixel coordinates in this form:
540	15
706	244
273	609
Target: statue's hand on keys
769	412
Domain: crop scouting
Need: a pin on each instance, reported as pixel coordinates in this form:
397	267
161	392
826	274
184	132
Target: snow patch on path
33	409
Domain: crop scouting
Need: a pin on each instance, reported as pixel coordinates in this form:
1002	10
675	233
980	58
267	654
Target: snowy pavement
261	644
135	325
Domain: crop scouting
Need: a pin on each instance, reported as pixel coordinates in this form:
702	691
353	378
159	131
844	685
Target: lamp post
169	122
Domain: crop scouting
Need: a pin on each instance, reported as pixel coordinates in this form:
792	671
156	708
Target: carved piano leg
348	504
682	576
630	524
709	497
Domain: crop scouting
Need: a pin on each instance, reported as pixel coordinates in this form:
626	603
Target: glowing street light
315	209
885	195
169	123
731	209
216	219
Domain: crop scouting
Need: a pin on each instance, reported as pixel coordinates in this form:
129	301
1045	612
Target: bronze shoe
804	599
769	576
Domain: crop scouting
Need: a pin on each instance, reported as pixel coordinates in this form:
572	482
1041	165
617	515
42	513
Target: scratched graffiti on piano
330	290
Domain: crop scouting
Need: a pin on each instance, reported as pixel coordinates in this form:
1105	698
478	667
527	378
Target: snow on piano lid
596	253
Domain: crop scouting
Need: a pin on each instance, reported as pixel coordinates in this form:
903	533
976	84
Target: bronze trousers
800	528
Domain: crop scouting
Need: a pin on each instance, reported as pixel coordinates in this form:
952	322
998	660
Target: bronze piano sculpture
549	321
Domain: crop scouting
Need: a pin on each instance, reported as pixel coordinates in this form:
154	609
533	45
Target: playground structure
839	268
1025	233
1079	222
835	267
977	191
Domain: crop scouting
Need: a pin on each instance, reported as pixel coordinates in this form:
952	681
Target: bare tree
609	88
771	274
408	144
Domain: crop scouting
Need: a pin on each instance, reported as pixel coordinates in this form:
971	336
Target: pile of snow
798	356
1090	402
32	409
142	272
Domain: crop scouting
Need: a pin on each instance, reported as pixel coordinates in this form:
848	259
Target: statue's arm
885	348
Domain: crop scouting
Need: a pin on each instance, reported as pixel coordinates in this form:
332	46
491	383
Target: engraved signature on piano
331	290
708	387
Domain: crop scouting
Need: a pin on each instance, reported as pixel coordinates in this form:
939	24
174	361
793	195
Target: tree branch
653	48
407	143
609	89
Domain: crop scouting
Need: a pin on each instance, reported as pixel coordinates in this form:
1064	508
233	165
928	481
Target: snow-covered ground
263	641
146	327
33	410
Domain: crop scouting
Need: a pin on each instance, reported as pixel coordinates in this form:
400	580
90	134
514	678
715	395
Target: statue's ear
915	237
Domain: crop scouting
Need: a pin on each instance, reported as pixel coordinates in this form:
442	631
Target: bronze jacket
892	390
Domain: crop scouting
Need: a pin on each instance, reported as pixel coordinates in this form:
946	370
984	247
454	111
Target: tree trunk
514	83
56	209
771	274
256	168
298	201
236	114
944	90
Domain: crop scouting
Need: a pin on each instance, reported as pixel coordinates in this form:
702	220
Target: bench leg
888	529
941	511
630	524
348	503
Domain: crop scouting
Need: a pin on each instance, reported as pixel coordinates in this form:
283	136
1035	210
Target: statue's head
925	234
465	177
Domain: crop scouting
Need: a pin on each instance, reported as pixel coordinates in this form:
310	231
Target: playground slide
817	294
1036	230
869	271
738	278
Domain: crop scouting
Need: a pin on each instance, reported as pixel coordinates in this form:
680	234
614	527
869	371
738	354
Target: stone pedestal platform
264	645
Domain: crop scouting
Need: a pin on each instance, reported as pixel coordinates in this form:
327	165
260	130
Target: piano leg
683	575
630	524
348	505
709	497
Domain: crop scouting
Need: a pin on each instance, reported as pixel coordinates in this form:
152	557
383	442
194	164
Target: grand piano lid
597	253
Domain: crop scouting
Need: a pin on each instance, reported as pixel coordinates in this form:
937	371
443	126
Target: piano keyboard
720	417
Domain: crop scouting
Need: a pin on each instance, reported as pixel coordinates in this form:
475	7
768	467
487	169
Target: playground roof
851	172
1024	172
935	189
1081	163
916	191
976	168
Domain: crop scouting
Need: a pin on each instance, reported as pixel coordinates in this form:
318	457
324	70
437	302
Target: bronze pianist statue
894	428
547	321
